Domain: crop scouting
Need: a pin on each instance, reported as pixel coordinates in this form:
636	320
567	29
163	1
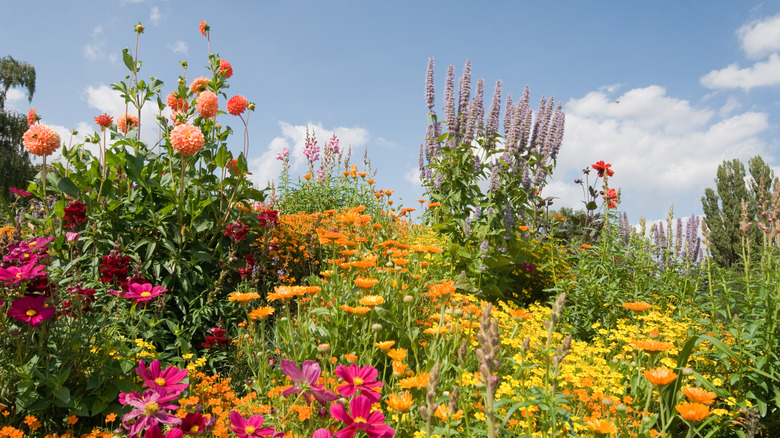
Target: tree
17	167
723	206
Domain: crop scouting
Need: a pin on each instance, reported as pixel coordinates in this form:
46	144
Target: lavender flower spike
429	87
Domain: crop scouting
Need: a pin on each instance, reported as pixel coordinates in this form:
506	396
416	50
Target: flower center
160	381
195	429
249	430
357	381
145	294
18	275
32	244
31	312
359	420
151	409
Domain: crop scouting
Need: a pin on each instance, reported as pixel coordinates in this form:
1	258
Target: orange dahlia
638	306
699	395
125	122
41	140
204	28
693	412
199	85
176	103
237	105
660	376
207	104
187	139
32	117
226	68
104	121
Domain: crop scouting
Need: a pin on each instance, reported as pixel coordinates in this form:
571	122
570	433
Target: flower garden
152	290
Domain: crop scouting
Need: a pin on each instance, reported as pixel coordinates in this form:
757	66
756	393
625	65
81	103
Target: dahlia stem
43	177
181	202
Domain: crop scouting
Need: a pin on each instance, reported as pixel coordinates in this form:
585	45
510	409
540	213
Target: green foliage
17	167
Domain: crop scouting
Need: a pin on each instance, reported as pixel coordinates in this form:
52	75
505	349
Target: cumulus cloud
762	73
761	37
266	167
154	15
663	149
179	47
95	50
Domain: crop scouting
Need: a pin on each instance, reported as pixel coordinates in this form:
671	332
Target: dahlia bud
139	28
251	106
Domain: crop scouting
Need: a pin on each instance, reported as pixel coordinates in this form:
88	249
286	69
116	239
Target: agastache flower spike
429	86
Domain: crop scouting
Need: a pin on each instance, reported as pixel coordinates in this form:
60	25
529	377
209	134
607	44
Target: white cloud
15	99
762	73
179	47
760	38
412	176
94	50
663	150
106	100
731	105
155	16
267	168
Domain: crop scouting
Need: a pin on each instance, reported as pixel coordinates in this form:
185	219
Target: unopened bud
251	106
376	328
139	28
408	299
687	371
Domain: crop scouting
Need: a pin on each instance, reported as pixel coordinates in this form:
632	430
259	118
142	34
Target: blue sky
665	91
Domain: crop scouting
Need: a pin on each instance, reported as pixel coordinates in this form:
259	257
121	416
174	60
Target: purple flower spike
305	380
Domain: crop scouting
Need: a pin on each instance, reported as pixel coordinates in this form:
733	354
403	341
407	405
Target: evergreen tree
17	169
723	206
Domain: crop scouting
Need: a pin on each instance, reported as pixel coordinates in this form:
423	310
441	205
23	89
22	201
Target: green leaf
128	59
223	155
63	395
67	186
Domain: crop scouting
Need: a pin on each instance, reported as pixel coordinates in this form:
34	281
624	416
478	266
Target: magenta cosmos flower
322	433
168	379
143	292
31	310
156	432
305	379
15	274
361	418
150	410
249	428
359	379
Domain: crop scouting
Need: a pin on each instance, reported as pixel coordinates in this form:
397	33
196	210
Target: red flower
32	117
104	121
236	231
75	215
204	28
114	268
217	337
31	310
268	218
602	168
226	68
610	199
237	105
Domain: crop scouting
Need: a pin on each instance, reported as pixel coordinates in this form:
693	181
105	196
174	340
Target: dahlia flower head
237	105
207	104
41	140
125	122
187	139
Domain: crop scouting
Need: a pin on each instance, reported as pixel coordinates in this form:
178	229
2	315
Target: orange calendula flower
399	368
307	176
417	381
397	354
599	426
523	227
286	292
347	252
351	358
652	347
699	395
366	282
372	300
400	402
243	297
660	376
72	419
384	345
693	412
637	306
434	205
261	313
520	314
441	289
438	330
110	417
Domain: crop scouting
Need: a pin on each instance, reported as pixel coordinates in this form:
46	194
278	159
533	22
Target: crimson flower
19	192
75	215
114	268
168	379
217	337
143	292
610	199
268	218
195	423
151	410
31	310
305	379
236	231
357	378
16	274
602	168
249	428
361	418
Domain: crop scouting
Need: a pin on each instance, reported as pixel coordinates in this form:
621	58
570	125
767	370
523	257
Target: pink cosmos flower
16	274
305	380
207	104
143	292
357	378
237	105
195	423
151	410
361	418
249	428
187	139
322	433
31	310
168	379
156	432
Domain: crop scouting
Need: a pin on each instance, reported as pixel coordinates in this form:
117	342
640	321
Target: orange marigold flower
366	282
347	252
434	205
104	121
372	300
693	412
351	358
400	402
110	417
441	289
520	314
417	381
523	227
660	376
125	122
370	181
199	85
176	103
399	368
204	28
307	176
637	306
699	395
72	419
384	345
187	139
600	426
438	330
397	354
261	313
652	347
41	140
237	105
243	297
207	104
226	68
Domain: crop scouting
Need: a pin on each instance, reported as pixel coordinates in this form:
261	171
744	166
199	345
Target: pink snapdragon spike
359	379
361	418
150	410
322	433
156	432
168	379
143	292
15	274
249	428
31	310
305	379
